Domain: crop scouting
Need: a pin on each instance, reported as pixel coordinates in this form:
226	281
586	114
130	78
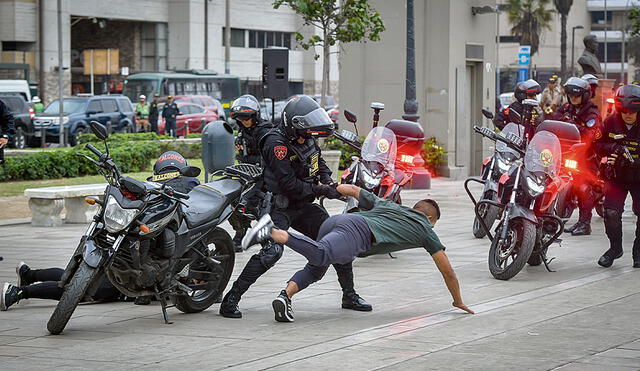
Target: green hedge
122	137
346	151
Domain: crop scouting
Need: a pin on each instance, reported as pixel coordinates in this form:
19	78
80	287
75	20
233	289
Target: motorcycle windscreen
511	128
544	154
380	146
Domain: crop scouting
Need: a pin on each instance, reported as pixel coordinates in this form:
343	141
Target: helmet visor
315	123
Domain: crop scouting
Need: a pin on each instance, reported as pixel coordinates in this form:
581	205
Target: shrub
434	155
64	163
188	150
122	137
346	151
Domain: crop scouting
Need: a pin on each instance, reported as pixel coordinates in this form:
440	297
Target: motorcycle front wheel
71	297
489	213
507	258
222	253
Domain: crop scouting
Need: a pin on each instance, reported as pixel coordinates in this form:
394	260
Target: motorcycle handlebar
93	149
181	195
492	135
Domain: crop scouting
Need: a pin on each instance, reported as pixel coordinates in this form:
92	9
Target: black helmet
303	117
627	98
525	88
170	162
245	107
593	82
576	86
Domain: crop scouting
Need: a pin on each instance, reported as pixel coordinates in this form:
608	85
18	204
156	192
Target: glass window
94	106
134	88
237	37
286	42
125	105
109	106
197	109
261	39
252	38
190	87
186	109
70	106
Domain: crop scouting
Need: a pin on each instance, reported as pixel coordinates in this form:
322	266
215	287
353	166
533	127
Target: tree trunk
563	47
326	69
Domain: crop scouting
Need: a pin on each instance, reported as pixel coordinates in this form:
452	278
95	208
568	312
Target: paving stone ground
580	317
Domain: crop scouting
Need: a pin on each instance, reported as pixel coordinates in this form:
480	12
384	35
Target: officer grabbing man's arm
621	146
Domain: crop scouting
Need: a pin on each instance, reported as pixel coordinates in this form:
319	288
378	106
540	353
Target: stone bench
46	204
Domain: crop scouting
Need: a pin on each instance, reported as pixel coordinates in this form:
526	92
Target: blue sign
523	74
524	59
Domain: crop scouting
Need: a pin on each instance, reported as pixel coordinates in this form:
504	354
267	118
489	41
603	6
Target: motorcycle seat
207	201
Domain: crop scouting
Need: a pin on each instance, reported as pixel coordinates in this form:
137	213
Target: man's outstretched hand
463	307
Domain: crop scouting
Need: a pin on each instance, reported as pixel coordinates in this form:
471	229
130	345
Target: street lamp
573	48
410	101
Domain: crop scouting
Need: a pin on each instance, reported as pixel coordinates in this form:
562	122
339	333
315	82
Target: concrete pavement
581	317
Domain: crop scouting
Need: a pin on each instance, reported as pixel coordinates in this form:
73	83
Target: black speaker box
275	73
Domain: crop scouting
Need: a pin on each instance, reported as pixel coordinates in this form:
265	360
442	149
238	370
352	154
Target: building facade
455	74
150	35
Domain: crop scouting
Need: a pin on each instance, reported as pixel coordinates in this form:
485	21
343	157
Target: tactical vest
631	140
304	158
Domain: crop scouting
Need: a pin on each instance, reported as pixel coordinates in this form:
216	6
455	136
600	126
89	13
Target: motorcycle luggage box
409	135
567	133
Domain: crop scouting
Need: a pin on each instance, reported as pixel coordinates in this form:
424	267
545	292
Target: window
197	109
125	105
153	46
614	51
597	17
265	39
15	105
94	106
237	37
109	106
509	39
186	109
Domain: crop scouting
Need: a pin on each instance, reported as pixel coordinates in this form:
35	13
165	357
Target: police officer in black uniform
170	112
519	113
7	127
153	113
583	113
246	112
621	131
296	173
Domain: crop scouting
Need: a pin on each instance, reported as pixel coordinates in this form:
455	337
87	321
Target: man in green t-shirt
382	227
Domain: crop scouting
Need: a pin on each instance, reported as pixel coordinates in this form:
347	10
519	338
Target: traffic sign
524	55
523	74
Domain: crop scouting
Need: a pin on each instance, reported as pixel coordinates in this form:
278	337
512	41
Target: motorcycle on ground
149	240
493	168
527	195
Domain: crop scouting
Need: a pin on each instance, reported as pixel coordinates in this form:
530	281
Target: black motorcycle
150	240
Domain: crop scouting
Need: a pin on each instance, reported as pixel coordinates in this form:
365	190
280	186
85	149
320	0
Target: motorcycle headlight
117	218
370	181
535	187
504	164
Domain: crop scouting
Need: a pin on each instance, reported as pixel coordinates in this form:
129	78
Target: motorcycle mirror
134	186
99	130
192	171
487	114
350	116
349	135
531	102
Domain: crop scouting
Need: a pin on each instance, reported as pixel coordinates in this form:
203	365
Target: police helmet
168	166
302	117
627	98
593	82
245	107
577	87
526	88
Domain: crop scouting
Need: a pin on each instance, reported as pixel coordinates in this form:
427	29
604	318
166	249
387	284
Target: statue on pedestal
588	60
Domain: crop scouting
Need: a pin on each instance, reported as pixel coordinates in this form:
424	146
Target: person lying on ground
382	227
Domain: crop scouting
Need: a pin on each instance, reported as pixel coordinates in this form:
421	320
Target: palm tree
528	18
563	7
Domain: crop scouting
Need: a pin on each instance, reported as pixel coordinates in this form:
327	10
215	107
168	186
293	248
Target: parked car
206	101
16	86
115	112
23	115
265	110
193	116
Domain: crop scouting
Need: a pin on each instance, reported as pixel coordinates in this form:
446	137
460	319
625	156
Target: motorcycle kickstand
392	257
547	262
163	304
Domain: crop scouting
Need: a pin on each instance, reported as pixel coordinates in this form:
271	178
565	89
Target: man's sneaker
259	233
21	271
282	308
10	295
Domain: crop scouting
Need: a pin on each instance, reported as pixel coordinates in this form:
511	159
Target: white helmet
142	96
36	99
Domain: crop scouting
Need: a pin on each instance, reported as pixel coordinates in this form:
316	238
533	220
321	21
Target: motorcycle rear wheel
490	215
221	250
518	248
71	297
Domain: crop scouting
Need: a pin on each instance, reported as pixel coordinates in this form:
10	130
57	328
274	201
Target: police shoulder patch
280	152
591	123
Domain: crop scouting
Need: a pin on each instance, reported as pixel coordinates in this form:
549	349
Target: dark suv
115	112
23	118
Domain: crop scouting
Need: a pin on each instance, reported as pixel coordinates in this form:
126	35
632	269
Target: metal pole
410	102
573	52
227	37
91	69
206	34
606	26
60	75
497	51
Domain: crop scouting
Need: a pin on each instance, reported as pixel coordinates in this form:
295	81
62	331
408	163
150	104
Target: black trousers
47	286
170	127
305	218
615	195
154	124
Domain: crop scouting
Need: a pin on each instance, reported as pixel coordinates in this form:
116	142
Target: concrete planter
332	158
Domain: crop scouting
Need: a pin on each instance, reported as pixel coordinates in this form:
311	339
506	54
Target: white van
16	86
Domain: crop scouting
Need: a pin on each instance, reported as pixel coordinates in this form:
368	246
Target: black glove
329	191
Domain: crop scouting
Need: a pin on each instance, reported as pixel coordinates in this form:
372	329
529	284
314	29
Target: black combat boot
229	306
237	239
350	299
582	229
572	228
636	246
613	228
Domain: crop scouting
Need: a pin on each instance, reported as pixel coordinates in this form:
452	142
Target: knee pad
270	254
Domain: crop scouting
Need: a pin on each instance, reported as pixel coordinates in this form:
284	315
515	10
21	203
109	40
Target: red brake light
128	194
32	114
610	100
406	159
571	164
